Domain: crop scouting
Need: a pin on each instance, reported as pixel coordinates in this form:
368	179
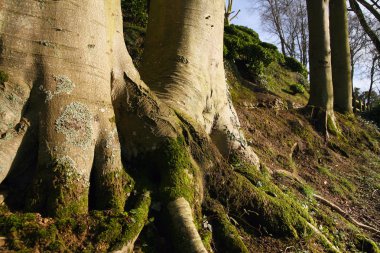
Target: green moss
348	185
226	235
206	236
24	231
297	88
178	174
279	213
59	190
365	244
109	190
338	185
336	189
101	231
307	190
332	127
115	230
325	171
4	77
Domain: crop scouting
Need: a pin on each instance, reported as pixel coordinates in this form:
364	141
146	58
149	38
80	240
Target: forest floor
344	168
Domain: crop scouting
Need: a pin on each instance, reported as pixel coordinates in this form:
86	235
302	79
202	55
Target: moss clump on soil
25	231
206	236
99	231
260	202
4	77
307	190
297	89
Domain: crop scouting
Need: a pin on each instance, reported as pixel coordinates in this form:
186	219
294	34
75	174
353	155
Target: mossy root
226	235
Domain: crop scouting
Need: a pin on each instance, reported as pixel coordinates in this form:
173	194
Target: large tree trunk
183	64
321	85
67	78
340	56
64	92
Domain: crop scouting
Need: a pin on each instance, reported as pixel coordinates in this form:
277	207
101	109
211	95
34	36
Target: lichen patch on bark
75	123
63	85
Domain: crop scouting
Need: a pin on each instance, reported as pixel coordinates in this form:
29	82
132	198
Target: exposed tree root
184	228
324	239
140	216
329	203
345	214
226	235
9	146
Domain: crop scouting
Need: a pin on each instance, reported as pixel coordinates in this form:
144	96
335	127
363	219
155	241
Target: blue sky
250	17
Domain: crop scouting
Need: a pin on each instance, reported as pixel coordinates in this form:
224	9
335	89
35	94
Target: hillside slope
344	169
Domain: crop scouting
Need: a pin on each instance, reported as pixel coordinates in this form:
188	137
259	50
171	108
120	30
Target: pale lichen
76	124
63	85
71	173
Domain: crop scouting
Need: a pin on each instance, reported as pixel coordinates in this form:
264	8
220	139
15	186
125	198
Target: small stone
3	241
2	198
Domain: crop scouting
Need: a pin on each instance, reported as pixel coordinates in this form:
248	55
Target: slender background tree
340	56
321	86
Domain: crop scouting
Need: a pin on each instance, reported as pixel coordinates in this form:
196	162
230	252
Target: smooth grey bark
59	85
321	85
183	65
340	56
375	59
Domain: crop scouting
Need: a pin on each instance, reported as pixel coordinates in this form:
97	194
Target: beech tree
340	56
81	131
321	85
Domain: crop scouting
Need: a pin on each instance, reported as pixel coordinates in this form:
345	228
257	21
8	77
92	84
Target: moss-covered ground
344	168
